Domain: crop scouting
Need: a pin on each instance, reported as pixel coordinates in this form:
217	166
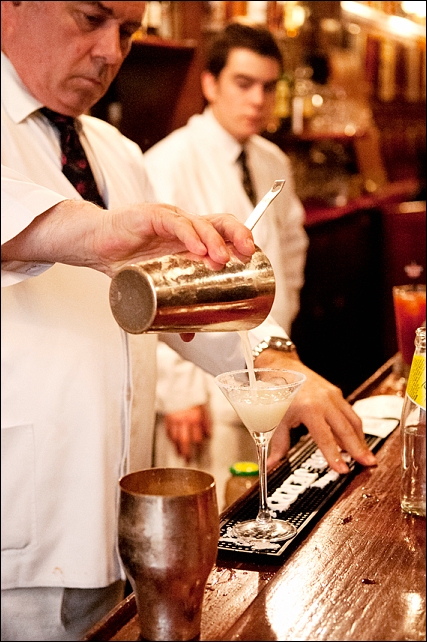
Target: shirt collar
18	102
16	98
229	145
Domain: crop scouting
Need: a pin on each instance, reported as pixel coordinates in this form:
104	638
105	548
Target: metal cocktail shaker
184	292
168	530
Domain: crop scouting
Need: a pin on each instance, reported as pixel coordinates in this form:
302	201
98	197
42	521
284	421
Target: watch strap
281	344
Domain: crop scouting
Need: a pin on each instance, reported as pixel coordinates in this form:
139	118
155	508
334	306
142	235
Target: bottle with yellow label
243	475
413	433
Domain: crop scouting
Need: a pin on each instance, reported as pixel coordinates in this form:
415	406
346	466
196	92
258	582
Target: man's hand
321	407
82	234
188	428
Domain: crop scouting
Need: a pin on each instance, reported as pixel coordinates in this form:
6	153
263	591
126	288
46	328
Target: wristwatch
274	343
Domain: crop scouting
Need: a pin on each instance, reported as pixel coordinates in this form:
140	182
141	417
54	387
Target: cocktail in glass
410	313
261	397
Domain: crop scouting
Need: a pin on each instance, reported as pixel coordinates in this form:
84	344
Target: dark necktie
75	165
247	181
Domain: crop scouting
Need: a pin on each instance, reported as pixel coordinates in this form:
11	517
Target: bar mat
298	491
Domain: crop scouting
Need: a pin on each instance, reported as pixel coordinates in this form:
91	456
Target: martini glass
261	397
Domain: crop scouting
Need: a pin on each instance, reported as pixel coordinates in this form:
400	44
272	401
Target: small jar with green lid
243	475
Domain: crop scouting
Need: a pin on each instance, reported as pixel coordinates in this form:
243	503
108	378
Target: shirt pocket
17	487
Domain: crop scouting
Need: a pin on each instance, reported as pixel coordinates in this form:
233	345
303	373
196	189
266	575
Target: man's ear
209	86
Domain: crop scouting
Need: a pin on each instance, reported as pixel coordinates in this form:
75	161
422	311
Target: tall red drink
410	312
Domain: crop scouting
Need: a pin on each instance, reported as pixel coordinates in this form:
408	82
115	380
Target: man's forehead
247	62
126	11
236	53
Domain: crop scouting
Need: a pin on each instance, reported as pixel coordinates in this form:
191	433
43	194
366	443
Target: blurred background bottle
244	474
413	432
152	19
283	106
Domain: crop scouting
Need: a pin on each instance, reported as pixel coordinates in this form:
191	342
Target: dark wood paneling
402	128
403	242
338	328
148	88
158	85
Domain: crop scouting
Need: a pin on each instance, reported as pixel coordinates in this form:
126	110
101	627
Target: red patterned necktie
246	178
75	165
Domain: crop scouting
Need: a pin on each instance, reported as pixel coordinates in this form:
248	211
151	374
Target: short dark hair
241	36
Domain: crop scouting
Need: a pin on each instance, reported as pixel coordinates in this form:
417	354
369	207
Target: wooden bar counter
359	573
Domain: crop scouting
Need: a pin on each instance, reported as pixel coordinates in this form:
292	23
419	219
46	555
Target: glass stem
261	442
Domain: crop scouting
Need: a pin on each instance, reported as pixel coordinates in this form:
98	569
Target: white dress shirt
66	380
65	371
196	168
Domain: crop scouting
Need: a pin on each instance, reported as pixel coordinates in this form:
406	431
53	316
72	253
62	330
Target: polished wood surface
358	575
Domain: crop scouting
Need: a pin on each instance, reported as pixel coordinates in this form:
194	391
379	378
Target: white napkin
380	414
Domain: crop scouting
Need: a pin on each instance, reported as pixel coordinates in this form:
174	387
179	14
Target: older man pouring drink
67	388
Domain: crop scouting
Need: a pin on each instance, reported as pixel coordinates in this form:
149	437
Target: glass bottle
243	475
413	432
282	109
153	18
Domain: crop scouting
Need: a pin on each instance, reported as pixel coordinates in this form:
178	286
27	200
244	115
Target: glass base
274	531
414	507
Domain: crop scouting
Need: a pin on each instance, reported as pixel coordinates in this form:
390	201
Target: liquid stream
247	353
259	407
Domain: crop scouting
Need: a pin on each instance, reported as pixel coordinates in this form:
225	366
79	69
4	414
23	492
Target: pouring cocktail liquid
263	414
183	292
261	397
